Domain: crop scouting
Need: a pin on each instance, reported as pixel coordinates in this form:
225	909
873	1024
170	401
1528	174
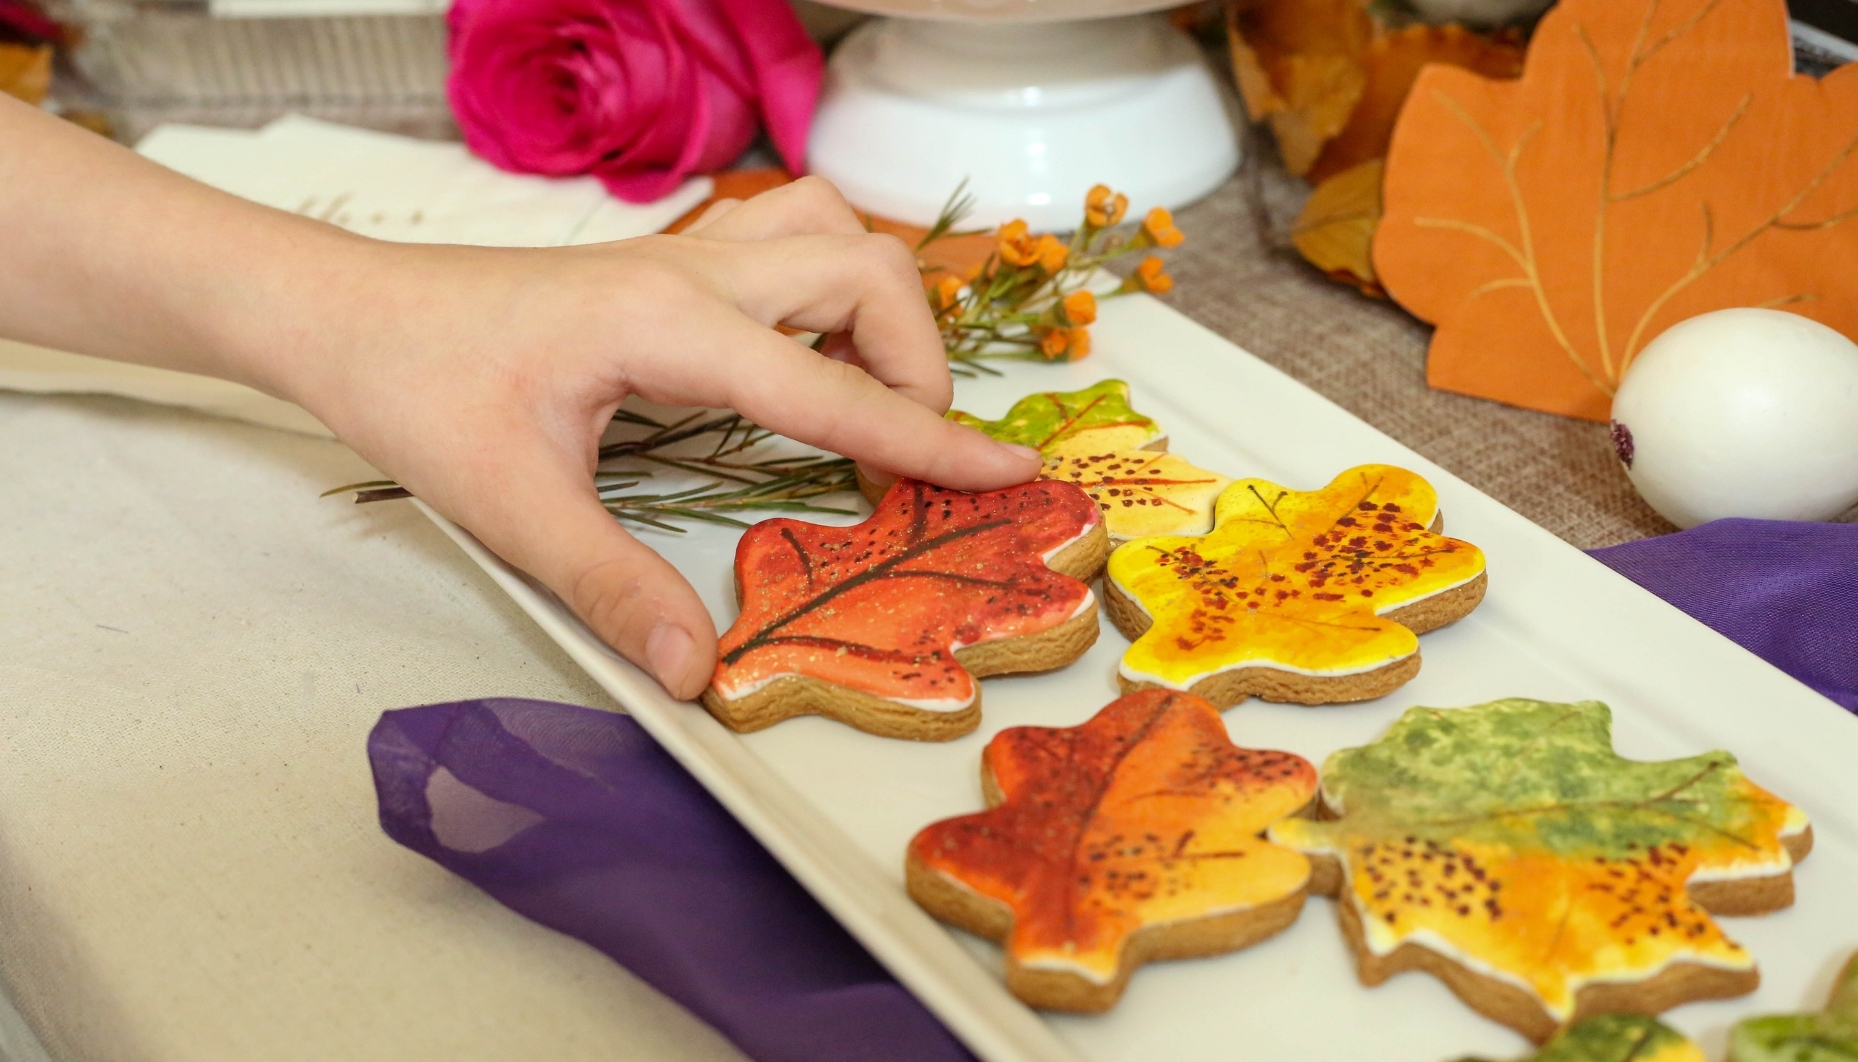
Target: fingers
806	207
866	285
545	518
789	389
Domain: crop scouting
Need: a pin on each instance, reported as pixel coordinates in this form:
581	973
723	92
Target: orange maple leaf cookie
1506	849
885	625
1309	597
1133	837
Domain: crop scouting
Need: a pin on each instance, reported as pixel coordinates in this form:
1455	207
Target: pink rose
640	93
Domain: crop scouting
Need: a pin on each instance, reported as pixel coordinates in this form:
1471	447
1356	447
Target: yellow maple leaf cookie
1308	597
1142	492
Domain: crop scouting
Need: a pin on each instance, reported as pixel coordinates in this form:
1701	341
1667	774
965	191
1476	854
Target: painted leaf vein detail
882	605
1145	814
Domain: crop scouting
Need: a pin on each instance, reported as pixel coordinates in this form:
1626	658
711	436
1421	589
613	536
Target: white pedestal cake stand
1030	101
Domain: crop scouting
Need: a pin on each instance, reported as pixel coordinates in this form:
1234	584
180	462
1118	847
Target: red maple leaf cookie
885	625
1130	838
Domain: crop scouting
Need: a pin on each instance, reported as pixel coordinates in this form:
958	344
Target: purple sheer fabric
1788	592
577	819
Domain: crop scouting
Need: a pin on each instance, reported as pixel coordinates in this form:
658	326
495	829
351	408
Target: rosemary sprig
959	205
739	480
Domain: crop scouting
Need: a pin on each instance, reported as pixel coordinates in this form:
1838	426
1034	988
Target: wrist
291	309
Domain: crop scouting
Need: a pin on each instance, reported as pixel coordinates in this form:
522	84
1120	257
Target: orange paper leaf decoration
1134	836
1657	160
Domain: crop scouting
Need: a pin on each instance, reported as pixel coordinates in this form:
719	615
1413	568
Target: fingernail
1024	451
668	650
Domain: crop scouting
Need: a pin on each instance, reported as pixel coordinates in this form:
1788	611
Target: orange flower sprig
1030	299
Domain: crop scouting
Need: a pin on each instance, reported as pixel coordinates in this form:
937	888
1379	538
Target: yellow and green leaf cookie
1508	850
1307	597
1094	439
1097	419
1616	1038
1831	1035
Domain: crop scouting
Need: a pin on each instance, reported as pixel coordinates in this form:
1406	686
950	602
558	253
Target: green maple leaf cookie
1828	1036
1616	1038
1509	841
1097	420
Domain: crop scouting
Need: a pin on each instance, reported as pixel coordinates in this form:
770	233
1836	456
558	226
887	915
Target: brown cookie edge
952	902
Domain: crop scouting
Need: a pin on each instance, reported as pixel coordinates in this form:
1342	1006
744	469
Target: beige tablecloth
190	866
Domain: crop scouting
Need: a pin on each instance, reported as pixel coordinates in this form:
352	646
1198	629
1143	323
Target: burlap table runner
1370	358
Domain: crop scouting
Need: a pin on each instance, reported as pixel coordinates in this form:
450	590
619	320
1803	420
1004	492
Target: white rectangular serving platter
837	806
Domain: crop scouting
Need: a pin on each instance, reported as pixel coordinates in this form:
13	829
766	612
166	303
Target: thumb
548	521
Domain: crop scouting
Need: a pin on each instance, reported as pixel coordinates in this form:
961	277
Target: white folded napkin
376	184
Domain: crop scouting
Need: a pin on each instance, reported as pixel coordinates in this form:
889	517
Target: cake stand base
1031	115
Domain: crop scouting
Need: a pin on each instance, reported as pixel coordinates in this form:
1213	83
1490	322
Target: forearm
111	255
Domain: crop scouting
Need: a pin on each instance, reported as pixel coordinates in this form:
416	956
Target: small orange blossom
945	293
1017	246
1103	208
1150	276
1052	253
1158	226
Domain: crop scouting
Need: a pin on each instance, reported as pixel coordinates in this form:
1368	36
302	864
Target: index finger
865	285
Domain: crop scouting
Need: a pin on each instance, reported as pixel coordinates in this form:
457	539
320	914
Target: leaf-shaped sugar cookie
1828	1036
1097	419
1507	849
1142	492
1310	597
885	625
1130	838
1616	1038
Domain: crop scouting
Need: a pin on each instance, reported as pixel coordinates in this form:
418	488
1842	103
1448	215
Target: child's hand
482	380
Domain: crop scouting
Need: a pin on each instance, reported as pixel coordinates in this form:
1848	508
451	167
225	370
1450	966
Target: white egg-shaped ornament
1742	412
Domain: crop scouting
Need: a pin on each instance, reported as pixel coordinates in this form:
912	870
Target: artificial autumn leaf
1831	1035
1330	77
886	624
1298	64
1617	1038
1657	160
1509	837
1310	597
26	71
1335	232
1097	419
1132	837
1142	492
1390	64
